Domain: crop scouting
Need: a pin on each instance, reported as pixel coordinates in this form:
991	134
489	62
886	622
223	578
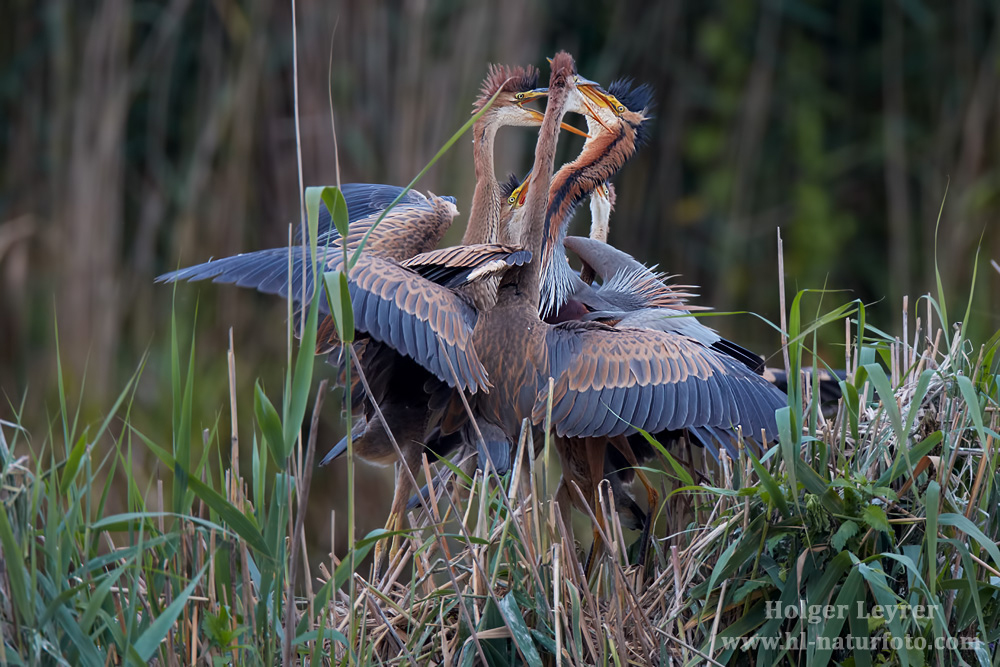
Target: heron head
514	87
514	192
622	101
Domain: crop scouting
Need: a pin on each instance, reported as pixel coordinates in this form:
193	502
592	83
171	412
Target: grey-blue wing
612	381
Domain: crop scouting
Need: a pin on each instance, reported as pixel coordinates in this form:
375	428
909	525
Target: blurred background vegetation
139	136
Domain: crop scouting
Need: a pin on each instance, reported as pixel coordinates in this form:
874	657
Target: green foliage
850	517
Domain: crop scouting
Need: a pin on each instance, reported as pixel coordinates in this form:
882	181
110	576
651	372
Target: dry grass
220	570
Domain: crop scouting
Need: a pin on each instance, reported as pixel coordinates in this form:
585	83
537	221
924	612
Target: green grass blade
243	525
921	450
777	497
884	596
337	206
878	378
846	598
338	297
301	381
17	573
972	406
72	466
682	474
933	505
973	531
96	600
519	630
788	440
150	640
270	425
183	409
941	305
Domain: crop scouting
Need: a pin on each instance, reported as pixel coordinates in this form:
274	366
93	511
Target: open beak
522	190
601	97
520	193
588	91
529	95
592	92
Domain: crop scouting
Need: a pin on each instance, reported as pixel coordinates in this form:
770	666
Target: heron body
438	323
608	380
416	331
473	269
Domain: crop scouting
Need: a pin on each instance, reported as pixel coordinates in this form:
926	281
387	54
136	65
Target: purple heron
609	380
397	359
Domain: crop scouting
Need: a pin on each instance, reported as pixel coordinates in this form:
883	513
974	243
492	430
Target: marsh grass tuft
883	507
890	501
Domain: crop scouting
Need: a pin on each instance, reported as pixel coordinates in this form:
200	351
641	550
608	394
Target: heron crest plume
506	78
637	99
507	187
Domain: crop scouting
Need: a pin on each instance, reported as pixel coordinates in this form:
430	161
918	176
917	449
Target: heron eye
519	96
621	109
512	199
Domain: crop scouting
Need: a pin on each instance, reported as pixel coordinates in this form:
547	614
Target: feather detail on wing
611	381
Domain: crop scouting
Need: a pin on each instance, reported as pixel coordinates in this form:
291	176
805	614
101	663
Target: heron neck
599	160
484	217
538	193
600	216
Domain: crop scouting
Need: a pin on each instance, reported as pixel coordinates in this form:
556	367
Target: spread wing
427	322
464	264
370	199
611	381
406	231
424	321
266	271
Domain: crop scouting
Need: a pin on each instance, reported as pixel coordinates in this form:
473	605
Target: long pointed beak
520	193
582	81
538	115
574	130
587	94
532	94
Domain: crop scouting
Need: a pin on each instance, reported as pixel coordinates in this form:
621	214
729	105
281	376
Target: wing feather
610	380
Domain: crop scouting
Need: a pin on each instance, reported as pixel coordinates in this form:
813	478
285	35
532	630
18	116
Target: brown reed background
139	136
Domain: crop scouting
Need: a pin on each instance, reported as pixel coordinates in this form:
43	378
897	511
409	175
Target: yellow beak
538	115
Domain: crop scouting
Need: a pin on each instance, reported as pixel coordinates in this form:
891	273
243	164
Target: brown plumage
488	224
415	330
520	346
400	387
473	268
510	84
608	381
